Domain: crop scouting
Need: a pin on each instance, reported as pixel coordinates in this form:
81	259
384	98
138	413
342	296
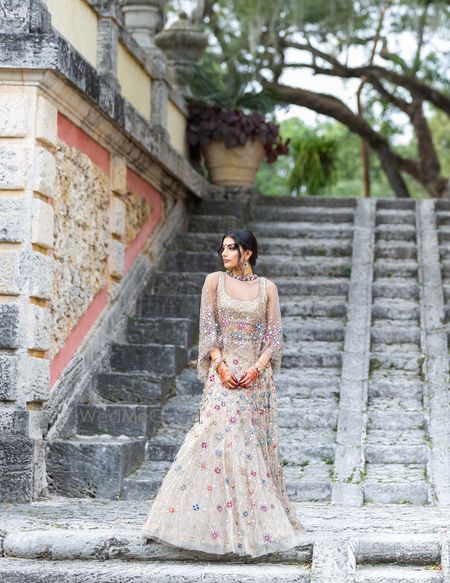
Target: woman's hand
227	377
249	377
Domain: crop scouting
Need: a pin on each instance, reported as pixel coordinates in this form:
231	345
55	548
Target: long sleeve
209	329
272	340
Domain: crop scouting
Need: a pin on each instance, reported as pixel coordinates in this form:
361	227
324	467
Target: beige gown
225	490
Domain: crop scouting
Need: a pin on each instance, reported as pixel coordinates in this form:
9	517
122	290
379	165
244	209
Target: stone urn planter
232	143
233	166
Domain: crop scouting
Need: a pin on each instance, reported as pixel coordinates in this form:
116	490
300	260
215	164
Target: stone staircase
147	397
396	451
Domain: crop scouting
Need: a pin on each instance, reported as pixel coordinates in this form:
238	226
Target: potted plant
228	129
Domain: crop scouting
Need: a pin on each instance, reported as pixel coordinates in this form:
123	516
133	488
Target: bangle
258	368
217	362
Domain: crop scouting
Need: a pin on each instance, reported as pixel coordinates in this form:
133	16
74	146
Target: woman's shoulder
212	278
271	285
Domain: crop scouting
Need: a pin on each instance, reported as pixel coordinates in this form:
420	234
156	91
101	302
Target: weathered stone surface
116	258
137	212
82	239
46	122
13	220
118	216
8	377
44	172
40	268
39	326
42	222
13	115
12	167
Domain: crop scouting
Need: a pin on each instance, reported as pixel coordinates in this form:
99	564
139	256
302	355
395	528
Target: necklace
242	277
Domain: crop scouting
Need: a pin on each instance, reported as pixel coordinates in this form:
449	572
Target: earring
247	270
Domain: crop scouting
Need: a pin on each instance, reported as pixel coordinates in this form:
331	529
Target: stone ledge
51	52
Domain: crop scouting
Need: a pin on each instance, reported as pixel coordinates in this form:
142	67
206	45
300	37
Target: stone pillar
28	129
144	18
108	40
182	43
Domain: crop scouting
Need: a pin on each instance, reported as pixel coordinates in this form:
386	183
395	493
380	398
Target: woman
225	491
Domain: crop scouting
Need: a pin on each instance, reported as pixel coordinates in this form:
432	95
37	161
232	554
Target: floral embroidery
267	537
245	513
211	377
209	487
171	509
204	444
195	506
230	503
217	470
214	534
235	361
253	473
219	508
263	507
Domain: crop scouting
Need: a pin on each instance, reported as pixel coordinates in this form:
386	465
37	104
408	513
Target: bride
225	491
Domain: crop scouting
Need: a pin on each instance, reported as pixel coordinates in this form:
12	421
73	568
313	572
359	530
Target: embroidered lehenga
225	490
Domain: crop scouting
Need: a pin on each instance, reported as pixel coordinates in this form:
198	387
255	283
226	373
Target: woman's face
230	254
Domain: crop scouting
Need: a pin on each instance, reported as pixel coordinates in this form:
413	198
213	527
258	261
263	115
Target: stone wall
90	192
81	248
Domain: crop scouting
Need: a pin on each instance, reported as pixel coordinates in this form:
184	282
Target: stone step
443	234
392	232
396	361
395	250
393	437
395	484
396	288
312	358
306	201
397	574
395	309
273	265
299	230
145	483
306	415
204	242
397	348
395	217
180	331
327	329
217	207
313	490
320	247
394	419
394	384
303	214
169	305
396	203
191	283
396	454
332	306
92	466
148	358
130	420
391	332
442	218
212	223
181	411
143	389
396	268
124	571
188	383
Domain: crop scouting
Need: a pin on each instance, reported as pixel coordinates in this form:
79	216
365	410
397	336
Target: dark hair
245	238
